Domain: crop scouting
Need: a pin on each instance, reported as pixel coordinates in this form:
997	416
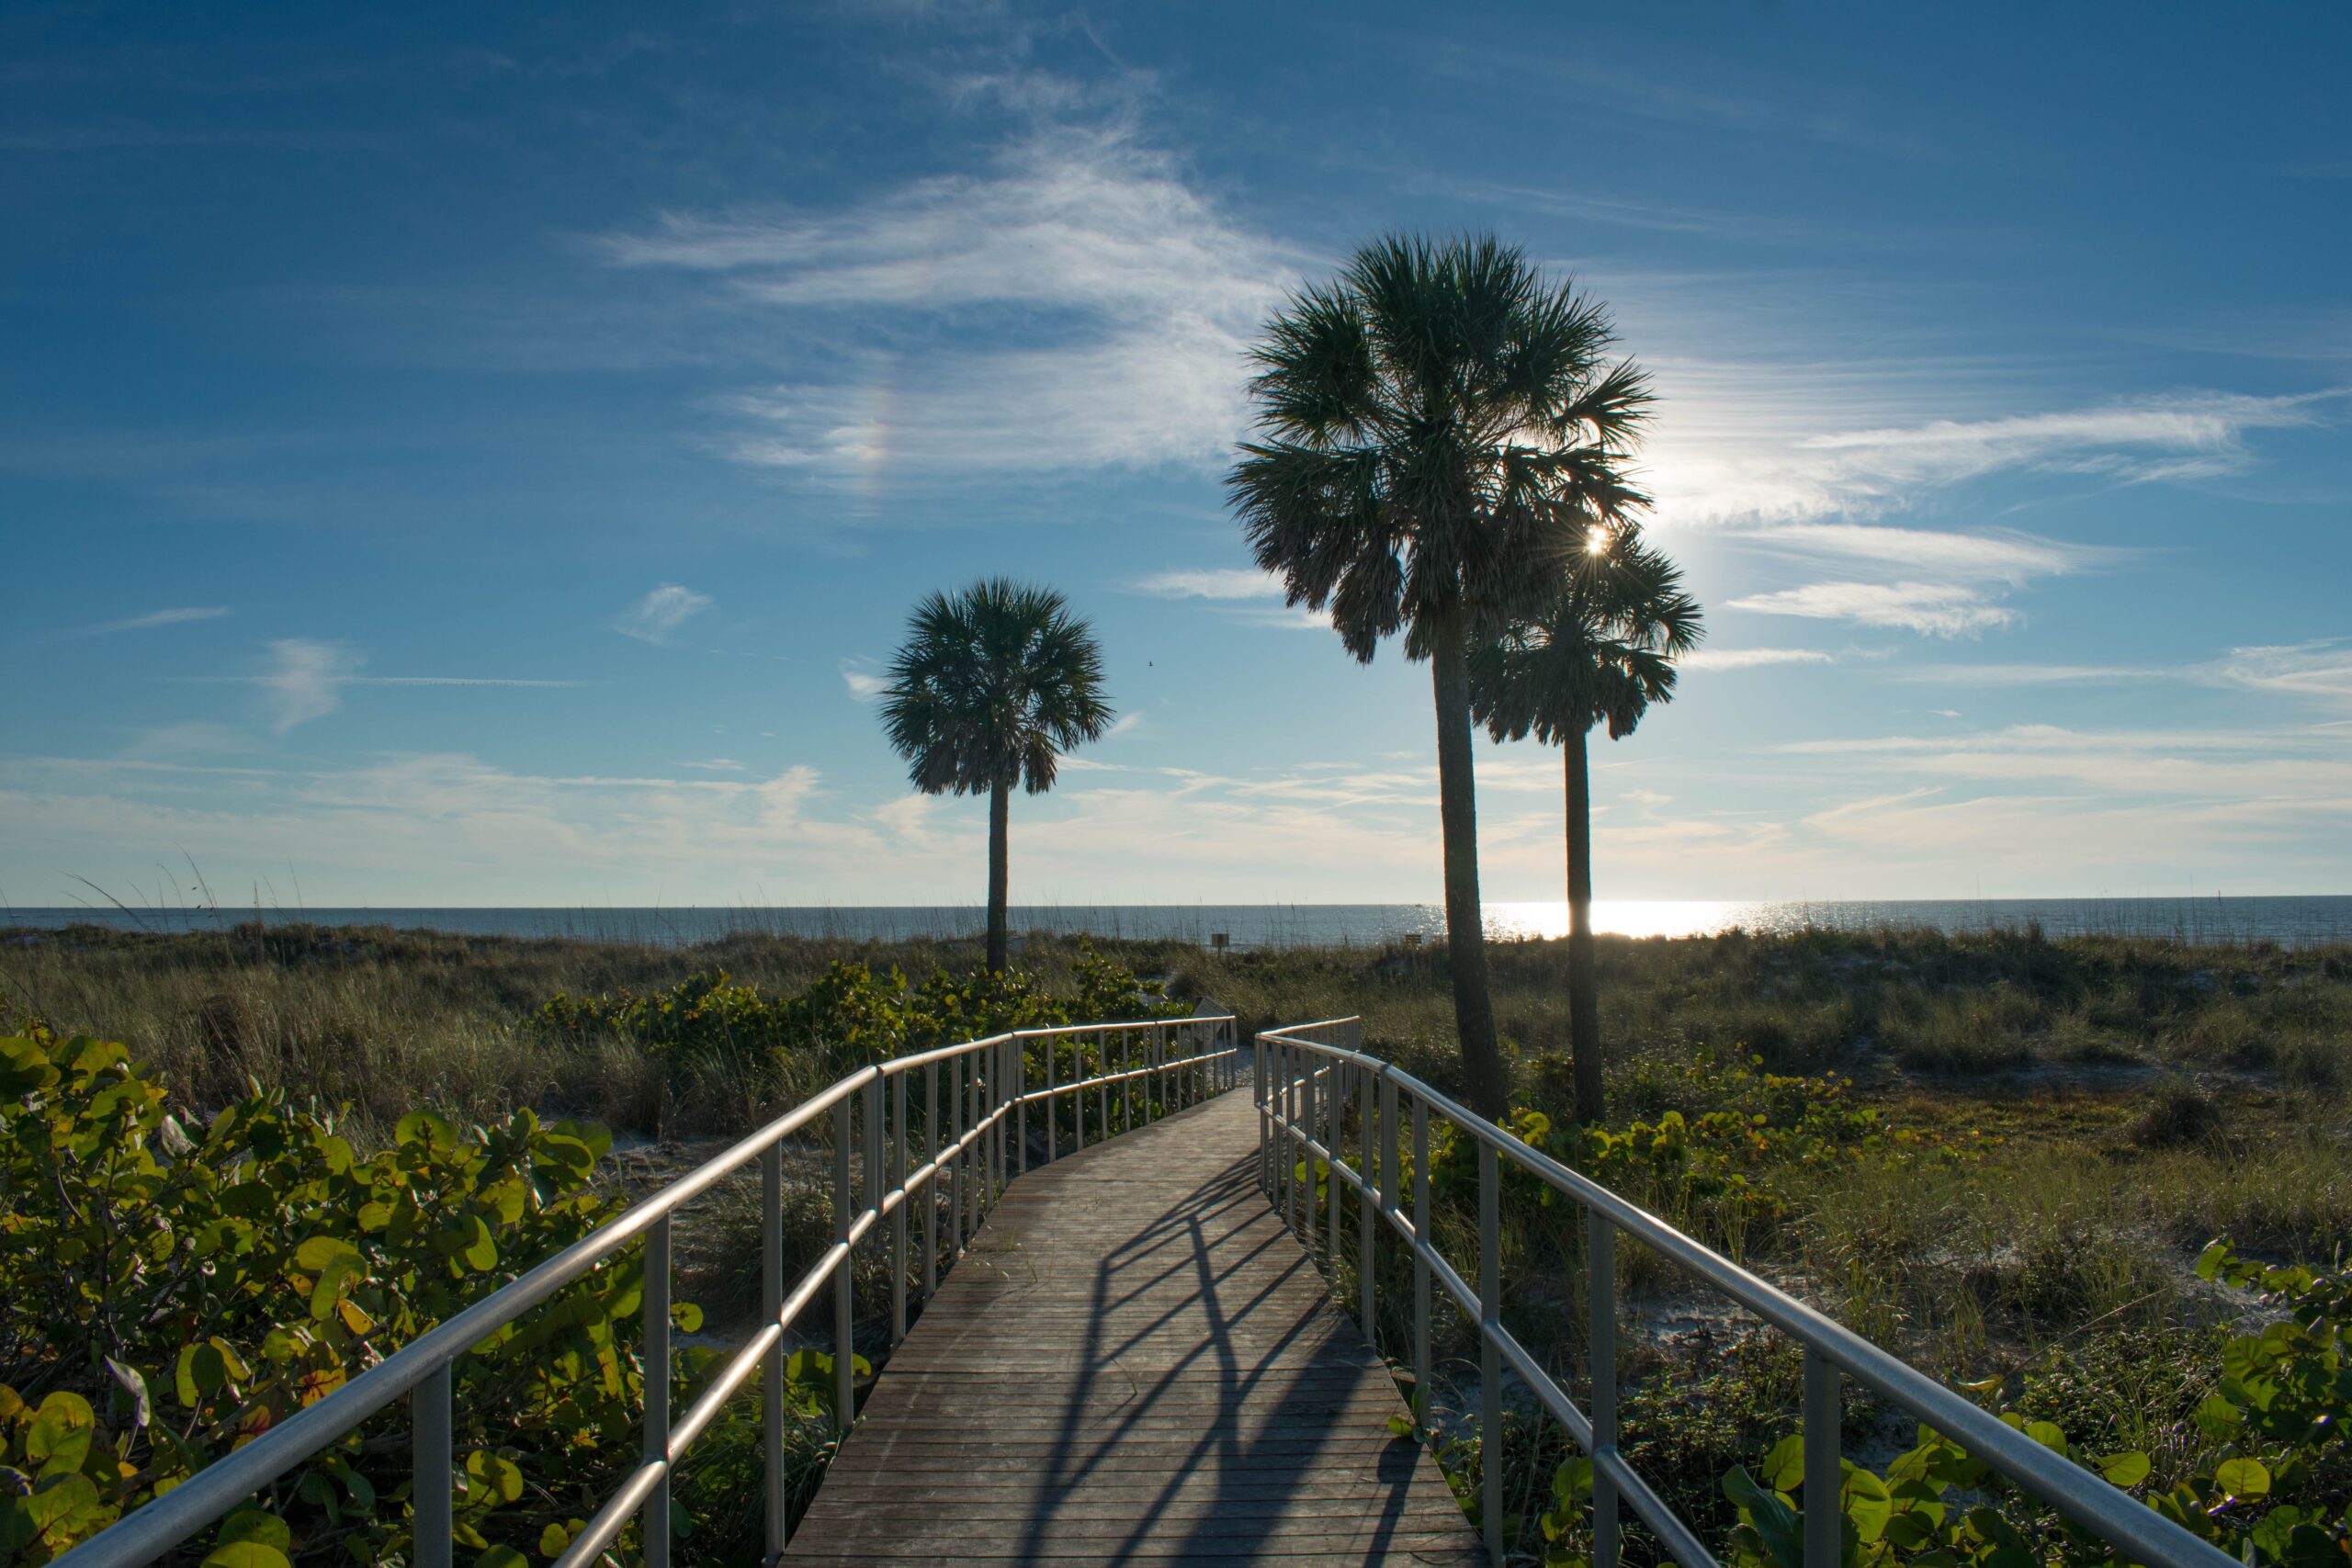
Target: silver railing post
1335	1117
1421	1261
1823	1479
873	1161
1077	1094
1490	1350
1021	1102
1126	1080
1265	1117
656	1360
1600	1341
1287	1132
1053	1105
1366	1238
956	1159
432	1530
930	1182
1103	1088
844	1282
772	1364
899	1214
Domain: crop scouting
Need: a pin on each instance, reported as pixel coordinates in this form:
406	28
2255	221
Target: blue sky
455	455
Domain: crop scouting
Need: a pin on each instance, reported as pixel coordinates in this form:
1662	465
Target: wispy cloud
1135	296
157	618
1211	583
307	681
1715	463
1931	609
1751	658
864	683
715	766
661	612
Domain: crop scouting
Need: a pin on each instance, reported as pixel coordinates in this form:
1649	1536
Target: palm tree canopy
992	685
1600	652
1441	429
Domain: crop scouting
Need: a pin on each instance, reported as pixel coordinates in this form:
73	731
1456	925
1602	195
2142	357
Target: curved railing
1305	1077
967	1162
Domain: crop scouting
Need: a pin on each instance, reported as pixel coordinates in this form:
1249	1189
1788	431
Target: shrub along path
1136	1363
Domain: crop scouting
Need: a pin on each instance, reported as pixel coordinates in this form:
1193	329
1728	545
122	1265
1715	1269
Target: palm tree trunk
1465	934
1584	1004
999	873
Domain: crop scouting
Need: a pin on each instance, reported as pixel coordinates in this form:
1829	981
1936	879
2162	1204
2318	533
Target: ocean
2288	920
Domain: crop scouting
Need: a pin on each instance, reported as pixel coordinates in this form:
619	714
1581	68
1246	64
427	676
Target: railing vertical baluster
1288	1174
433	1532
1824	1478
1020	1103
977	1189
899	1215
1102	1089
1126	1080
930	1182
1335	1119
1366	1239
1420	1260
1490	1354
1077	1094
656	1359
1053	1152
772	1364
955	1157
875	1182
1600	1339
844	1282
1258	1088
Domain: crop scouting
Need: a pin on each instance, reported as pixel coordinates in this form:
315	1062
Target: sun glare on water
1692	917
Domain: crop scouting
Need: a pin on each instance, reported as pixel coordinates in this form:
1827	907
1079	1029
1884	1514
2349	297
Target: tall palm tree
1440	430
991	685
1602	653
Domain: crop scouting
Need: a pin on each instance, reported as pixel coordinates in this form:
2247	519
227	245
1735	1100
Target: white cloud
1125	723
306	683
1998	557
2321	669
1931	609
158	618
1134	297
1736	450
863	684
715	766
1751	658
661	612
1211	583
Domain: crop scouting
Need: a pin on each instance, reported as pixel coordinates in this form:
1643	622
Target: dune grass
2089	1113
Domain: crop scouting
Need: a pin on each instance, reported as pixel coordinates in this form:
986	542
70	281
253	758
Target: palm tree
1602	653
1440	431
991	685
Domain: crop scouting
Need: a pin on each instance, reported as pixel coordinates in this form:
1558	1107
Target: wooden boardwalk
1136	1363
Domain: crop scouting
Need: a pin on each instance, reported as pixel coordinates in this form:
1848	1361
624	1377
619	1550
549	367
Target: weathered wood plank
1136	1363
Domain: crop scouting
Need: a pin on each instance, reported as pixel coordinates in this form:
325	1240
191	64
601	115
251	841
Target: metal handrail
1302	1086
987	1090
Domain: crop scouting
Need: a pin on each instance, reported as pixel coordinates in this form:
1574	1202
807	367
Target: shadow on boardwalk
1136	1363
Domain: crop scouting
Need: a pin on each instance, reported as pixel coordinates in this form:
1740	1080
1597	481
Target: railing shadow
1263	1326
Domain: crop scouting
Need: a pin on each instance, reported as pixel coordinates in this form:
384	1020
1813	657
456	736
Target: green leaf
2125	1469
502	1557
318	1252
553	1540
246	1554
252	1524
1783	1467
2242	1477
142	1410
687	1315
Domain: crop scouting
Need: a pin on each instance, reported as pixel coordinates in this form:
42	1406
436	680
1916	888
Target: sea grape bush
2271	1488
850	1017
176	1291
